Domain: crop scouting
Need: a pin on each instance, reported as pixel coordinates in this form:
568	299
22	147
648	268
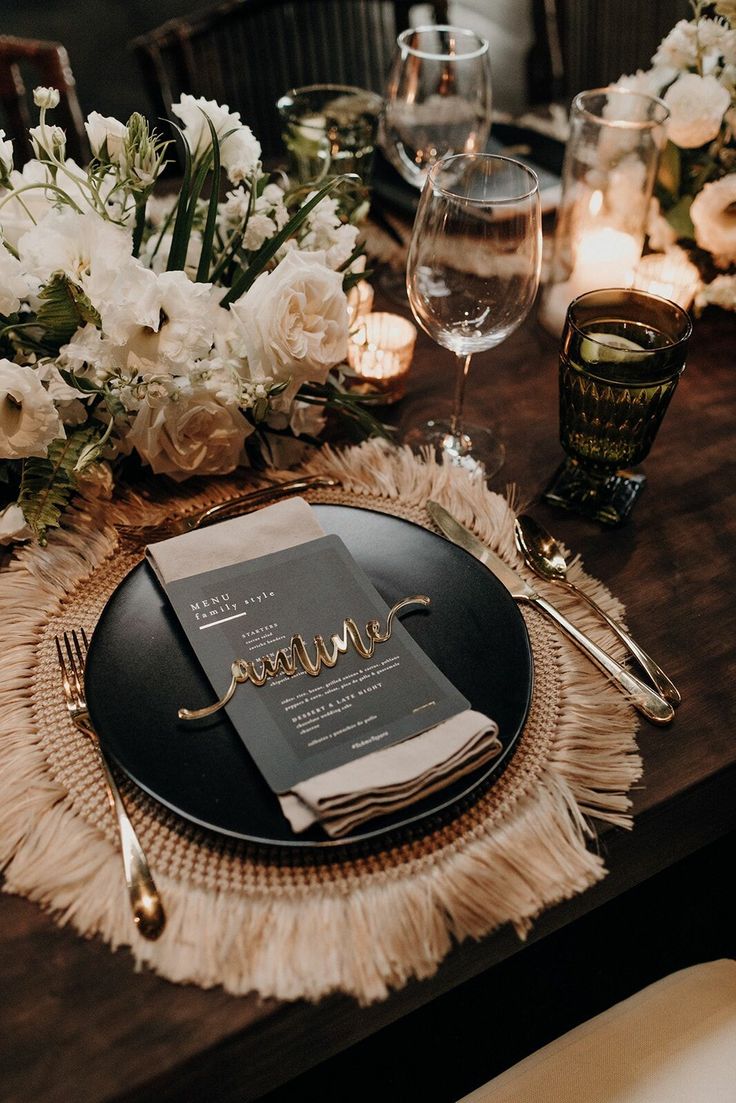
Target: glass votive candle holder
380	353
671	275
360	302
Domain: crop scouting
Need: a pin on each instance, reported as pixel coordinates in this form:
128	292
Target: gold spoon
543	554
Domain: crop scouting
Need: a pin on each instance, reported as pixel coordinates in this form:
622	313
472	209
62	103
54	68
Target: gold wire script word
288	660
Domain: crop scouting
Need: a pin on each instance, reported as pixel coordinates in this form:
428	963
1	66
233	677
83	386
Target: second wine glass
472	276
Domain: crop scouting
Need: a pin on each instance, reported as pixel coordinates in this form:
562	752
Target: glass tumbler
329	129
611	160
622	354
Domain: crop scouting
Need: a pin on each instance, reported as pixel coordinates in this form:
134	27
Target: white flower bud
46	98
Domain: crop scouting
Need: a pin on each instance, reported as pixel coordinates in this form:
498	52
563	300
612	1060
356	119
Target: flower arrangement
185	333
694	71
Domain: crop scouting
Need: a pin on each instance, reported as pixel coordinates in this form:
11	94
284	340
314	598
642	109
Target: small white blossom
697	106
46	98
678	49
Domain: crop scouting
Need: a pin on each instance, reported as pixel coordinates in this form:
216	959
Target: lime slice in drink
607	348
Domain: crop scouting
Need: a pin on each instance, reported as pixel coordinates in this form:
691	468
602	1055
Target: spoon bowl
543	554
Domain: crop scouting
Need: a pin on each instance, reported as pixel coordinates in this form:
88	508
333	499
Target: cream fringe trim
364	935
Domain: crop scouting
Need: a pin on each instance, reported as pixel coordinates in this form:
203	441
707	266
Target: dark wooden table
78	1023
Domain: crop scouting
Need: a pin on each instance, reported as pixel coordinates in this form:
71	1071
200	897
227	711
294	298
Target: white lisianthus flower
29	421
107	137
191	434
13	525
46	98
48	142
713	213
19	214
240	154
15	283
293	321
719	292
87	248
173	325
6	156
697	106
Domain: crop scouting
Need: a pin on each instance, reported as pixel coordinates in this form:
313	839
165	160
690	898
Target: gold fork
175	526
148	912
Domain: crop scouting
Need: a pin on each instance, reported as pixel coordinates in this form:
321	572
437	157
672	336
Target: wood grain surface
78	1023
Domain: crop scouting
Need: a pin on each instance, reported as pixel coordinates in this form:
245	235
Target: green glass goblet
622	354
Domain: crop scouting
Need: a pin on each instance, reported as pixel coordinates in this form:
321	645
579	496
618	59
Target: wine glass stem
463	367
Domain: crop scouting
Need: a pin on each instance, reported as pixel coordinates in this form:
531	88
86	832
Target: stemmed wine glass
472	275
438	99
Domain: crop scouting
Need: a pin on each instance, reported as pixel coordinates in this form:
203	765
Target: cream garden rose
29	420
294	321
713	213
193	433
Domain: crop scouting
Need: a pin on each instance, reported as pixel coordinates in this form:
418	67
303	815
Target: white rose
712	213
294	321
697	105
193	435
106	135
13	525
29	421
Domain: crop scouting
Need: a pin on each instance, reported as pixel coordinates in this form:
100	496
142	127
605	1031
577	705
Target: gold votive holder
671	275
380	353
360	302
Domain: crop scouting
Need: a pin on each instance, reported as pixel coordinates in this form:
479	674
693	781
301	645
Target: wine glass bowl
472	276
438	99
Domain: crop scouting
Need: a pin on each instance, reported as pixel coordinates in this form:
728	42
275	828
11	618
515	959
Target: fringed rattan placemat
281	924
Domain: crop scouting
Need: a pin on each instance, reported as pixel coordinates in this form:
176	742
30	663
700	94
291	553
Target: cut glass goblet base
474	448
608	499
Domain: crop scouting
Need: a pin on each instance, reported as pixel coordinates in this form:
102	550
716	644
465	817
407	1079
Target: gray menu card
298	726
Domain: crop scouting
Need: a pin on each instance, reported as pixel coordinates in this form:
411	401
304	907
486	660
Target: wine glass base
475	448
608	500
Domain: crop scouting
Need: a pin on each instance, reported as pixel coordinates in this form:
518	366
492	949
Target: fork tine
80	653
77	685
68	692
85	641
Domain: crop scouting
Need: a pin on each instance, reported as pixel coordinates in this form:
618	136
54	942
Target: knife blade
641	696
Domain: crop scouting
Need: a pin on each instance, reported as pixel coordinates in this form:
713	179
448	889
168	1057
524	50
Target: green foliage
47	483
64	308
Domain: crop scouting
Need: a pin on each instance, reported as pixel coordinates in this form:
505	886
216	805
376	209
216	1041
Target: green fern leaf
48	482
64	308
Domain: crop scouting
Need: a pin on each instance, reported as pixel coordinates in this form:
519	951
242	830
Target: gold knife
640	695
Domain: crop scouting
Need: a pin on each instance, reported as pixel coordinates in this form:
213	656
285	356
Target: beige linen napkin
378	783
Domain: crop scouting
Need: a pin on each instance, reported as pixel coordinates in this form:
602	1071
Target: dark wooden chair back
26	63
247	53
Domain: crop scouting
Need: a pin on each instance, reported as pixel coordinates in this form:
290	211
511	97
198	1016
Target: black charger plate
140	668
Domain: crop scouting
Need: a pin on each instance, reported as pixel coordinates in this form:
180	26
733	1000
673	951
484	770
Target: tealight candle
380	353
671	275
360	301
604	258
